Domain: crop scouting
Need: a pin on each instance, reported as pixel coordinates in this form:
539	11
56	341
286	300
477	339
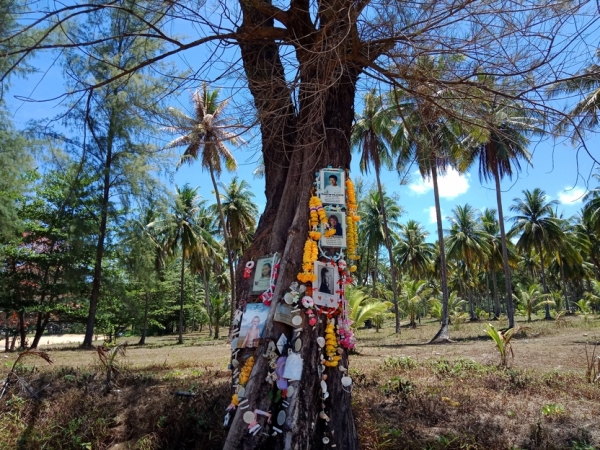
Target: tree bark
321	143
443	334
507	283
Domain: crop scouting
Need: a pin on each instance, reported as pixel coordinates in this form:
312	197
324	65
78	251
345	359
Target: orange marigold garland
311	249
351	224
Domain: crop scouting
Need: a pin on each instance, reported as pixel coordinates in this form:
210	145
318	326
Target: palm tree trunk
208	305
227	247
181	295
543	270
507	283
388	245
443	334
367	266
564	287
496	299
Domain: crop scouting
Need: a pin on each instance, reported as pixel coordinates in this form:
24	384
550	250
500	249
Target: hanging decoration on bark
317	296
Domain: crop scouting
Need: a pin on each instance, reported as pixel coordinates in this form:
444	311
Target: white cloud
432	215
451	185
571	195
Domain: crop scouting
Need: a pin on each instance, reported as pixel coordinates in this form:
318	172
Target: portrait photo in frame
326	285
261	278
335	220
332	183
253	325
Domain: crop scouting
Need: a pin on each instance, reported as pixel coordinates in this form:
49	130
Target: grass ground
407	394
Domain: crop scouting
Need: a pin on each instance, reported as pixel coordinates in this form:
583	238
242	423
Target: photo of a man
331	185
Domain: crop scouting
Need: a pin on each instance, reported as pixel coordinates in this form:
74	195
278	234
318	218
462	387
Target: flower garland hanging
246	371
351	223
311	253
331	346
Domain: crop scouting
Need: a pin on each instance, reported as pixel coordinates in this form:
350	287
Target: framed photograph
332	184
261	279
326	284
253	325
336	220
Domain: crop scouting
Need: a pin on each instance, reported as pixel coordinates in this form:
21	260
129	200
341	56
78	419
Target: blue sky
558	169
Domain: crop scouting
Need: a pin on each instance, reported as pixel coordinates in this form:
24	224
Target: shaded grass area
407	395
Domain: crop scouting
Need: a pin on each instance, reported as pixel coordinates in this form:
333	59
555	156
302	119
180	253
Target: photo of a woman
261	281
334	223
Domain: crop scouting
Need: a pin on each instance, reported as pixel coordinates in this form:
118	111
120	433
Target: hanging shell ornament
248	417
325	440
321	342
323	386
324	416
346	381
288	298
290	391
281	417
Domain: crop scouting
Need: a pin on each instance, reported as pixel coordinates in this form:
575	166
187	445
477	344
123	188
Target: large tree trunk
388	245
510	312
294	147
443	334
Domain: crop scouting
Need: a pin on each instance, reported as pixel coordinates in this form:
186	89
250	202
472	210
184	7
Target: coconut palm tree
210	257
413	254
240	214
371	228
494	261
531	297
537	228
500	143
362	307
204	136
415	298
187	236
432	139
372	134
468	242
